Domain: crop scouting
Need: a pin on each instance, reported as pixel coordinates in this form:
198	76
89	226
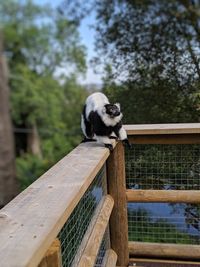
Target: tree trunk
8	181
33	142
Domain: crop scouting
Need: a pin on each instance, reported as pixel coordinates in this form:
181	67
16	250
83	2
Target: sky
87	35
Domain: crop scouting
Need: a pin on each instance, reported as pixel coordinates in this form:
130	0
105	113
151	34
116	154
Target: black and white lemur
101	120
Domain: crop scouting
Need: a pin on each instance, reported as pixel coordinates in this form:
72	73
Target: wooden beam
88	233
52	257
30	223
110	259
160	250
92	248
167	139
172	128
163	262
171	196
117	189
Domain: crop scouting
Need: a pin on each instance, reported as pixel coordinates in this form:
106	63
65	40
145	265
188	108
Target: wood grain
117	189
173	128
171	196
30	223
110	259
94	242
160	250
52	257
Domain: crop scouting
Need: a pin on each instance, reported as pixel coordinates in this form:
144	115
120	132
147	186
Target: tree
153	48
45	57
39	42
8	182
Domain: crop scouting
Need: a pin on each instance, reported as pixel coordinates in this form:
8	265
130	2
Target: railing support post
117	189
52	258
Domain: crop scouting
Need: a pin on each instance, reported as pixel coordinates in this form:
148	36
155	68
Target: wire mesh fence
169	167
179	223
105	244
72	233
163	167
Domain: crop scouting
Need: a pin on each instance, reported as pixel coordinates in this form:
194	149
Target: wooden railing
167	134
31	223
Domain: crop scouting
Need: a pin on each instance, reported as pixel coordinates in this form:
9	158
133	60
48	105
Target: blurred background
144	54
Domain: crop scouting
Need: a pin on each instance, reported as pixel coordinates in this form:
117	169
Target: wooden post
52	258
117	189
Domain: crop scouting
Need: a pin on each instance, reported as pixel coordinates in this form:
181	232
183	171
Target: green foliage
152	47
40	37
29	168
144	229
163	167
45	58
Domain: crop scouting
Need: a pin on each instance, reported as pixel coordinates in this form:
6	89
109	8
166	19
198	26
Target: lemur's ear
118	105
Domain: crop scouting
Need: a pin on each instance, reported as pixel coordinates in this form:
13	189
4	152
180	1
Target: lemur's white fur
122	134
103	139
83	126
98	125
96	102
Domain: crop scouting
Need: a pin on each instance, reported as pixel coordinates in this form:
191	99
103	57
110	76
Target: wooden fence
164	134
30	224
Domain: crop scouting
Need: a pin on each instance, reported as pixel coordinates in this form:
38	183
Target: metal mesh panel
105	244
72	233
163	167
164	223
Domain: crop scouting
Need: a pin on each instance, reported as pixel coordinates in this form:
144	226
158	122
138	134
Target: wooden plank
88	233
92	248
160	250
171	196
165	139
187	263
52	257
110	259
30	223
117	189
172	128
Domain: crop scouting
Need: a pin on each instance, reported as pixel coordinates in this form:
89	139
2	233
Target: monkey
102	121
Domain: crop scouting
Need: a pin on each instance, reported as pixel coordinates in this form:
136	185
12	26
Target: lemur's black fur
100	119
99	127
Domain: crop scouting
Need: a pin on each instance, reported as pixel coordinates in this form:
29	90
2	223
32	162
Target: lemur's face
113	110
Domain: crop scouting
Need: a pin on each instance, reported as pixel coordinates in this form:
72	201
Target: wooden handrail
160	250
30	223
164	196
173	128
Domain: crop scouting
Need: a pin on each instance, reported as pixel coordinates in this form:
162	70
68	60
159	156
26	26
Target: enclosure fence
100	209
162	187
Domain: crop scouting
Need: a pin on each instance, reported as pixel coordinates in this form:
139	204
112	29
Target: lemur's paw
126	143
109	146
